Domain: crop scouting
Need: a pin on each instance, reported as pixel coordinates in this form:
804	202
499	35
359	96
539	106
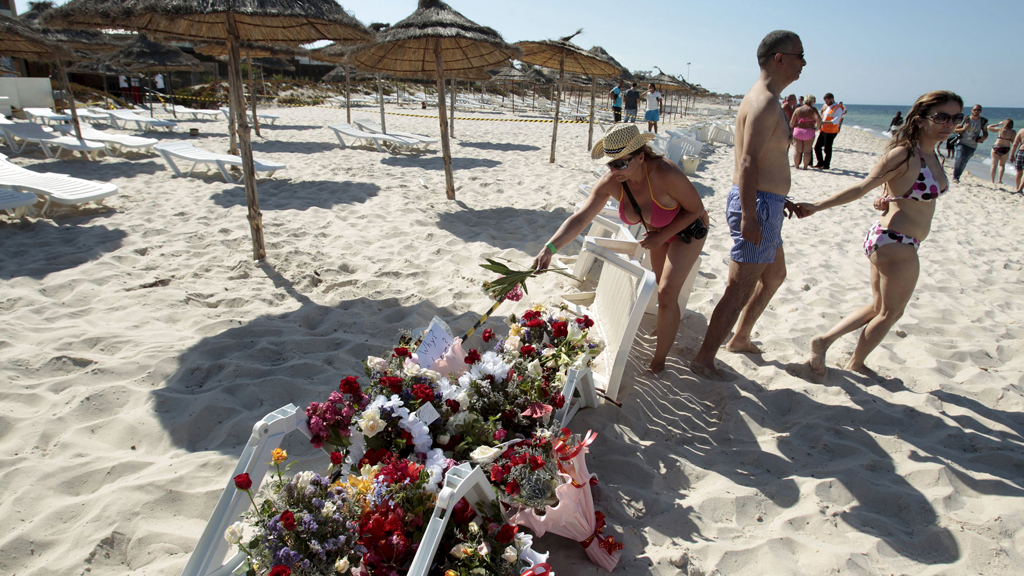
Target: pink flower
515	294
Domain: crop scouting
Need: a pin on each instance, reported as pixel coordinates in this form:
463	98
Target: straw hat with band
621	140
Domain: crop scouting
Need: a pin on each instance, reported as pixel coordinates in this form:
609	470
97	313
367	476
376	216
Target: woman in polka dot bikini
909	164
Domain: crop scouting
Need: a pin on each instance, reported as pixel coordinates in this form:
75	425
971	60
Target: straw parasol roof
509	74
435	39
274	21
86	40
550	53
254	50
20	40
274	63
144	55
668	83
101	67
604	55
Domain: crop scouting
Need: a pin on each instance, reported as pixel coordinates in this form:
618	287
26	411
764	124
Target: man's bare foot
745	345
656	366
817	360
704	371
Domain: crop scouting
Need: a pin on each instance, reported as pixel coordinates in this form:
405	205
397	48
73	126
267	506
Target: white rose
376	364
484	454
513	344
444	439
463	400
472	528
461	550
234	533
484	549
341	565
534	369
329	509
411	369
370	423
430	374
510	555
302	479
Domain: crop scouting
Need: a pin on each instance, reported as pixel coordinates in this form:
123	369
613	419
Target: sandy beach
141	344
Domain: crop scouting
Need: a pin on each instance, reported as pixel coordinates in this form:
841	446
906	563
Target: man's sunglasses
944	118
800	55
621	163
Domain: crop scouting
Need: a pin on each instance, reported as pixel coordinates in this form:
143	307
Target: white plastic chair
115	143
16	203
53	187
263	117
193	112
51	143
374	128
121	118
617	306
383	142
170	151
45	116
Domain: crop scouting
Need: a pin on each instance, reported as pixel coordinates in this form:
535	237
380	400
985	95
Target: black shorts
617	112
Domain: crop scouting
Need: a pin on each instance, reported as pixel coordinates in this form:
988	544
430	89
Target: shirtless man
755	209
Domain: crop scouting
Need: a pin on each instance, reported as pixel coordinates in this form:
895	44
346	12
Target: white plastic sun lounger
16	203
53	187
171	151
268	118
116	143
50	142
195	113
121	118
383	142
45	116
374	128
617	307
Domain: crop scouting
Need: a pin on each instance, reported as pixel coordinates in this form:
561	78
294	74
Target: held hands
804	209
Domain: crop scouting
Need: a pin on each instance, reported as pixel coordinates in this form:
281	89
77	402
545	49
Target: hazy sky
864	51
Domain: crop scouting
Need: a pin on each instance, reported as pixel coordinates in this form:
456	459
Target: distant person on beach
653	113
653	191
805	122
897	121
1017	152
831	119
158	82
789	106
1001	148
631	100
757	202
801	102
950	147
616	95
124	89
912	181
973	131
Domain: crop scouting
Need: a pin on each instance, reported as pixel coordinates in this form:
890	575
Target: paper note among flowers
437	340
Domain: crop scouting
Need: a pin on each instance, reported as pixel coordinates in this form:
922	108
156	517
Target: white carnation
234	533
376	364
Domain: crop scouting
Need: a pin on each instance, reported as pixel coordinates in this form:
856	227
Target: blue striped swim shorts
770	215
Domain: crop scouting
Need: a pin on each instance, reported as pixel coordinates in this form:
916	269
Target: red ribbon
608	544
563	450
544	568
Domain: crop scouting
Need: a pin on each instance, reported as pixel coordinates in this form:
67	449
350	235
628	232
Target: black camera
696	230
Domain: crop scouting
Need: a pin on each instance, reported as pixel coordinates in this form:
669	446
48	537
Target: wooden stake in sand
593	98
558	104
380	100
259	251
451	120
446	153
252	95
348	97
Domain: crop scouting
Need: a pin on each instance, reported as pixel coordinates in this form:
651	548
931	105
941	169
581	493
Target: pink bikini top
660	215
927	187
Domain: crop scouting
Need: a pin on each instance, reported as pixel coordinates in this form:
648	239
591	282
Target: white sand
140	344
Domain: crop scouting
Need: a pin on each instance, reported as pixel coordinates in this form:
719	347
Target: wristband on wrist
551	248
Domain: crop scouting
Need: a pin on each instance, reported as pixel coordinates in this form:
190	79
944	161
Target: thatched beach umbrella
101	68
670	84
338	54
435	38
625	74
566	57
145	55
230	21
511	75
251	50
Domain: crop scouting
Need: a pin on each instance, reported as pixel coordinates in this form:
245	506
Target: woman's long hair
909	134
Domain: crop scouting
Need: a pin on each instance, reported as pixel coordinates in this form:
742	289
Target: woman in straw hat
653	191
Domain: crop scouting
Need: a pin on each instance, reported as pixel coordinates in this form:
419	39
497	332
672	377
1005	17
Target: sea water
875	119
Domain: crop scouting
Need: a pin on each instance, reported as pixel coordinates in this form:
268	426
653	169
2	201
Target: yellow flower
360	483
451	573
278	455
515	330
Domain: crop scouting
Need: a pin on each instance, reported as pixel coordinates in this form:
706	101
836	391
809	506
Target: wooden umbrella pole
446	153
252	94
593	99
348	98
232	124
558	102
380	99
451	120
170	92
66	86
513	97
259	251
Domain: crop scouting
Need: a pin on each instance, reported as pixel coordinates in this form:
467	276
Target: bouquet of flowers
524	473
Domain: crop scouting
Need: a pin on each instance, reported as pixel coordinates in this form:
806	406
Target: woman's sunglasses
621	163
944	118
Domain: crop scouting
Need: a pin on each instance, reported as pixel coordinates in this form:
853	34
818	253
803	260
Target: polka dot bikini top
927	187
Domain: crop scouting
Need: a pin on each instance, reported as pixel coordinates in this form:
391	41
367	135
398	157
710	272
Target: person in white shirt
158	81
122	84
653	113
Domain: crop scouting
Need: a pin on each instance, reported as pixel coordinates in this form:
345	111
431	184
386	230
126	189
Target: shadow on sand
43	247
287	195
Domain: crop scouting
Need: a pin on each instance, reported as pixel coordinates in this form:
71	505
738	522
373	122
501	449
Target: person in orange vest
831	118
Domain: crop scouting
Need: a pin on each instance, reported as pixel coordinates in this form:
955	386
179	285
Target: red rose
337	458
288	520
535	323
584	322
463	512
559	329
527	350
423	393
473	357
349	385
512	488
506	534
499	434
536	463
497	474
373	456
394	383
529	314
487	335
558	400
280	570
242	482
453	405
401	351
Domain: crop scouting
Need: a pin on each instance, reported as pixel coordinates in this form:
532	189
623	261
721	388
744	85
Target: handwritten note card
437	340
